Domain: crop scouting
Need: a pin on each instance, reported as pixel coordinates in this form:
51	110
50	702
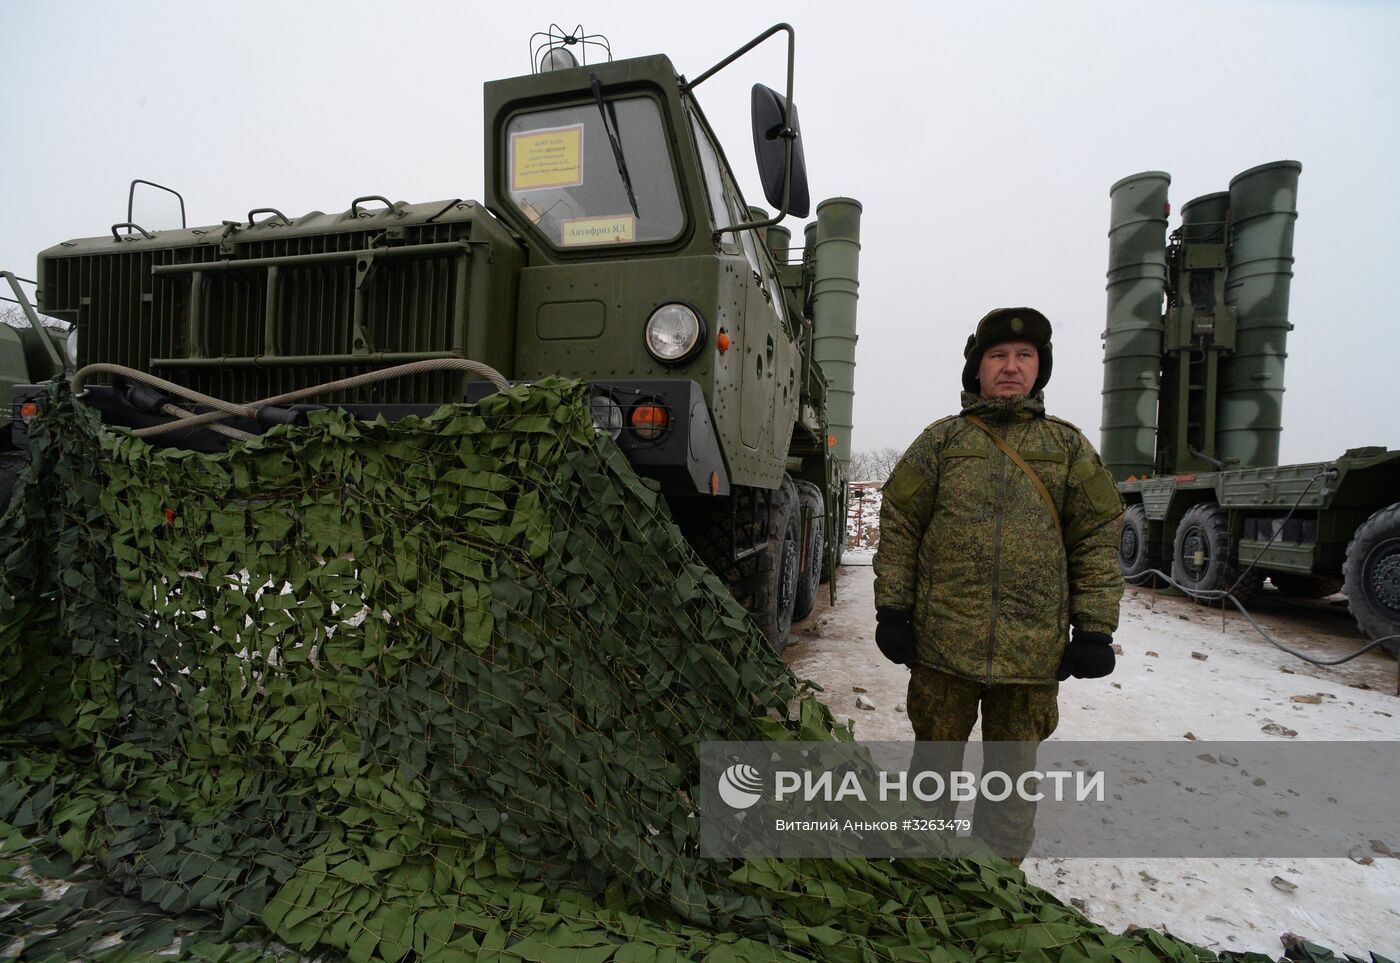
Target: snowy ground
1160	690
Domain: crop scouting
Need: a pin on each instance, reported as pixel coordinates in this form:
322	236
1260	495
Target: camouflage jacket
968	545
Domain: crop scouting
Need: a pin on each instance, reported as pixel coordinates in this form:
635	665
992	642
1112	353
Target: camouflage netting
425	690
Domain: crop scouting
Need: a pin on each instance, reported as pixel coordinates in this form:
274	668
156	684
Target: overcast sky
981	137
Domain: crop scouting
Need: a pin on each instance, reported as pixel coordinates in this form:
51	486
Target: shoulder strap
1021	463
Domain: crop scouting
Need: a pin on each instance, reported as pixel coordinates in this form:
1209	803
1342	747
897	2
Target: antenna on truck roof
549	49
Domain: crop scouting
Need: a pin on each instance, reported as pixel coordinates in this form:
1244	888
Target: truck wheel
11	463
1201	555
1300	586
1372	576
777	592
765	582
840	528
1134	551
809	499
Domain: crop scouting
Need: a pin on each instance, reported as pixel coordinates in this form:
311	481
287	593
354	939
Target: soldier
999	534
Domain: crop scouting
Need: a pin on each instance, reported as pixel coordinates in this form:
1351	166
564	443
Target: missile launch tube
836	257
1263	210
1203	219
1132	357
779	240
809	247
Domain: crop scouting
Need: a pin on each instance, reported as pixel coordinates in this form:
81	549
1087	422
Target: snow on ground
1161	691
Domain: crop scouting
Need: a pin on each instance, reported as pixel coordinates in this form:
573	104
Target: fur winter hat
1008	324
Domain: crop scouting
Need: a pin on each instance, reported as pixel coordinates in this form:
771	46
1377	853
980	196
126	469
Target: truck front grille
275	307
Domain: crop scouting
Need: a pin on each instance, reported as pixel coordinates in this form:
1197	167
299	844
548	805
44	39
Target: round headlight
607	416
673	332
71	346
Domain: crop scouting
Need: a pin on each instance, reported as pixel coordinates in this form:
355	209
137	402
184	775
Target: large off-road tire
813	548
764	582
1201	555
1135	556
777	592
839	527
1298	586
11	463
1372	576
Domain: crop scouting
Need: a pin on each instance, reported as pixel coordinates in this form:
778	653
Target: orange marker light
649	421
722	342
28	410
714	483
831	441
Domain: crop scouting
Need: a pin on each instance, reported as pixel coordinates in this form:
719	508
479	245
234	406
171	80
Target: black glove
1089	655
894	634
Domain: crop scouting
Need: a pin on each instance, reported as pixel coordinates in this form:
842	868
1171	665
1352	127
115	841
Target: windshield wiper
610	125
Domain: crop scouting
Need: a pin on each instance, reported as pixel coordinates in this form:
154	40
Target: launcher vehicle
612	245
1193	401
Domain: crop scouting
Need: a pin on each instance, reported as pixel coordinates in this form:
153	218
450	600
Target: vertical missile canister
836	263
775	237
1132	359
759	214
779	239
809	247
1203	219
1263	210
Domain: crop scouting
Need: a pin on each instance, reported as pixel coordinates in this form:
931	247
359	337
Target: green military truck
1192	409
30	351
612	245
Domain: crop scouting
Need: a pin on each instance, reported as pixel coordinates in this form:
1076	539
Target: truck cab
634	277
613	246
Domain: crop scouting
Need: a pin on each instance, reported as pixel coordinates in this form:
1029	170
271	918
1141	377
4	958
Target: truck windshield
564	177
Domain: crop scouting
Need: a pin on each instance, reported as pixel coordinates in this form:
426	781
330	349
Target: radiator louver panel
134	303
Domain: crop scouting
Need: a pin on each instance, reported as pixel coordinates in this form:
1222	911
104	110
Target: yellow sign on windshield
552	157
598	230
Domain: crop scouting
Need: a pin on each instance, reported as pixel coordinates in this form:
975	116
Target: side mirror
770	118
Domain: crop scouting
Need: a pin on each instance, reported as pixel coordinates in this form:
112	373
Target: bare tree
885	460
859	467
12	315
874	465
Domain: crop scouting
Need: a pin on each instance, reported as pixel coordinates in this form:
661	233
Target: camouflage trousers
1015	719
